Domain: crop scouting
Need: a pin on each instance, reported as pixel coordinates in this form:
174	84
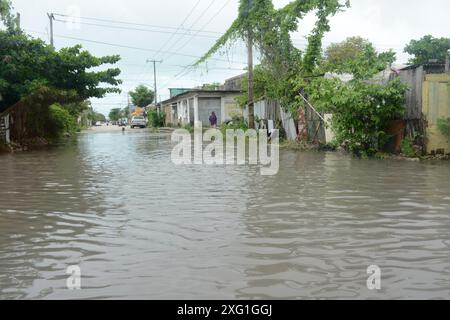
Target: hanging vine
271	30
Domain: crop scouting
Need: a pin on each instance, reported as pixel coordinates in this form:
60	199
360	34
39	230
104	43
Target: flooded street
140	227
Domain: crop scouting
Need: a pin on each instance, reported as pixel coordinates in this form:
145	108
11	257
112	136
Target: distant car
138	122
98	124
122	122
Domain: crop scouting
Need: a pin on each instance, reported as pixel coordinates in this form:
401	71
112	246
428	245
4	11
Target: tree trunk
251	103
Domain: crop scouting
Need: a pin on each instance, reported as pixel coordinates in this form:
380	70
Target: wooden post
51	17
156	88
18	20
251	103
447	62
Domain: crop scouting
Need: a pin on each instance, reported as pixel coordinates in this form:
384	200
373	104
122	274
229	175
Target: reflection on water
140	227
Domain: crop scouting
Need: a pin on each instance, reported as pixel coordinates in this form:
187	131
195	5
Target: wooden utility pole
18	20
155	82
251	102
51	16
447	62
129	107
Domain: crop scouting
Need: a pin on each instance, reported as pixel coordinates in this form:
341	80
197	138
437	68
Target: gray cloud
388	24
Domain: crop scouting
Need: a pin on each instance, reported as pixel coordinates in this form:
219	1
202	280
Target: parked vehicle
98	124
122	122
138	122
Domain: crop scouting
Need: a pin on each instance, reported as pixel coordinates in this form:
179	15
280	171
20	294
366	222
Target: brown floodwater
140	227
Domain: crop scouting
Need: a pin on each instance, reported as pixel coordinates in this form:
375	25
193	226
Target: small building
5	129
187	105
427	100
270	111
4	124
195	105
234	83
177	91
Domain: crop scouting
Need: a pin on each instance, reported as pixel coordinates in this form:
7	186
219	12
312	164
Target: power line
195	22
179	28
188	30
134	48
136	24
207	23
186	69
136	29
137	78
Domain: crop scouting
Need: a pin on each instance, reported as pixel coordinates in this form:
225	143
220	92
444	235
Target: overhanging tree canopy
269	30
29	64
6	16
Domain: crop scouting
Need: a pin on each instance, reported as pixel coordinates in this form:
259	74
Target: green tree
156	119
96	116
444	126
211	86
7	17
356	56
125	112
269	30
35	75
350	48
60	121
428	49
29	64
76	108
142	96
261	86
115	114
361	108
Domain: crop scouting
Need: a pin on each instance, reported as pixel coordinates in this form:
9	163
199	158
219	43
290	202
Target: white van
138	122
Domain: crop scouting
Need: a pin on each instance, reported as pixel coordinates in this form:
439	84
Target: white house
197	105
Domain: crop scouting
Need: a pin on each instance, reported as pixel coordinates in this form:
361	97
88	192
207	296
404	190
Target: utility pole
251	102
51	16
18	20
154	75
447	62
129	107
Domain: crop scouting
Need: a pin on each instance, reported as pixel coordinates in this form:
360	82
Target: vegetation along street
136	140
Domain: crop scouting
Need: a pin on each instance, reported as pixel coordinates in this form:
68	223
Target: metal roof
194	92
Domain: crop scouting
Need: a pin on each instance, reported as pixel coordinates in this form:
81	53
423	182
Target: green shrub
189	128
156	119
361	111
236	123
60	122
444	126
408	148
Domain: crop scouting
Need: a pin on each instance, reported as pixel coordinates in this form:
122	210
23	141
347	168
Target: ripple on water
140	227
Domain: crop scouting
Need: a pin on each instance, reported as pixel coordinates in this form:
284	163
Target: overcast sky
387	23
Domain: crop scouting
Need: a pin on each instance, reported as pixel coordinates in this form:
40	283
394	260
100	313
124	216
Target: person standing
213	120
